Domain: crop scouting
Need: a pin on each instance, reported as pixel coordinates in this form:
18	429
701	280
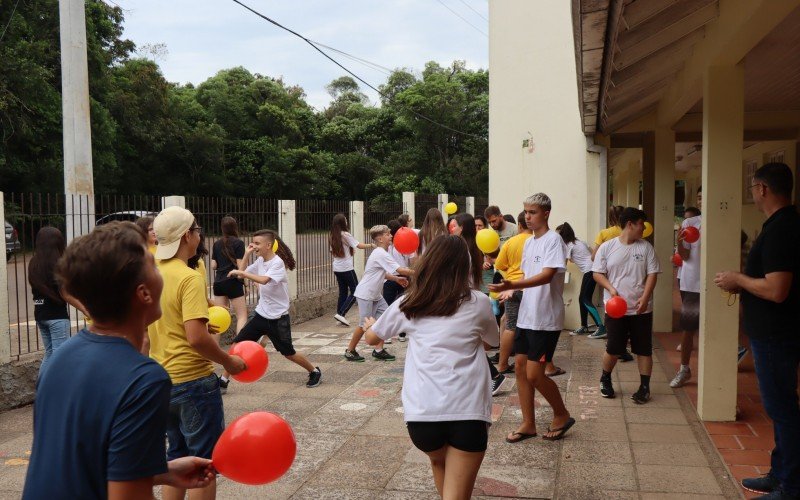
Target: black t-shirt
224	264
46	309
777	249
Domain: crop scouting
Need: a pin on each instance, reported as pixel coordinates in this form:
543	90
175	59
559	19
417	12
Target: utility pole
78	173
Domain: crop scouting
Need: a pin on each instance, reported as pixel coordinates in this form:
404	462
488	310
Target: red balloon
616	307
691	234
406	240
677	260
256	448
254	356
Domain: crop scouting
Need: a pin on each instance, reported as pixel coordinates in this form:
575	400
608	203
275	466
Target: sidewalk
352	442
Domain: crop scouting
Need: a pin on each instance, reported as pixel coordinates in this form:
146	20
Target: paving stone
644	414
511	481
535	452
677	479
596	452
660	433
413	477
596	477
669	454
598	431
332	493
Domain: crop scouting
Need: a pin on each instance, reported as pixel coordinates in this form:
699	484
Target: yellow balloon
487	240
219	318
275	246
648	230
450	208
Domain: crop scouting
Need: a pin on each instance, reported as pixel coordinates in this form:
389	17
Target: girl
146	223
465	227
579	253
342	244
226	255
49	308
271	317
432	226
392	290
446	401
480	223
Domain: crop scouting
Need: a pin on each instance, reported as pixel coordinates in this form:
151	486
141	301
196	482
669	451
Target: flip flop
519	436
559	371
563	430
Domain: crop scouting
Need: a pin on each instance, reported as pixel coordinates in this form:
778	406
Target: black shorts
464	435
231	288
637	328
278	330
690	311
538	345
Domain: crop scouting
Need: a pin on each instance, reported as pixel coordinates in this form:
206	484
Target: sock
645	381
606	376
684	368
316	369
379	351
224	378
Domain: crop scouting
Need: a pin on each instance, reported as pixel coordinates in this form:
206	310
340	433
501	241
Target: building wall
761	153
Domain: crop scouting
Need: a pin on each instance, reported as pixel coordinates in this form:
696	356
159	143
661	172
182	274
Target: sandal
559	371
563	430
519	436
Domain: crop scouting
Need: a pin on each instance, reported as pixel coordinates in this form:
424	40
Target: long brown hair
442	280
230	229
50	245
467	224
432	226
284	252
338	226
613	215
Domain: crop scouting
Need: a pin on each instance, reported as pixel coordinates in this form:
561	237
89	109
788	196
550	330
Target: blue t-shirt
100	415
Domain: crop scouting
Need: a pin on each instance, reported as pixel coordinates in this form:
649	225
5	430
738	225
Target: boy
102	434
627	266
540	320
689	284
371	303
180	342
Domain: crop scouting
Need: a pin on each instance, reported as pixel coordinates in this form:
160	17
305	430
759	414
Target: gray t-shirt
627	267
507	232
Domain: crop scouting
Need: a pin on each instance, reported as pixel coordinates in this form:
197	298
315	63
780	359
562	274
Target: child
627	266
271	317
579	253
102	434
371	304
447	404
689	286
226	255
432	226
540	320
342	244
392	290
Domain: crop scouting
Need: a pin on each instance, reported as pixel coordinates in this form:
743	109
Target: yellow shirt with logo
510	258
183	299
606	234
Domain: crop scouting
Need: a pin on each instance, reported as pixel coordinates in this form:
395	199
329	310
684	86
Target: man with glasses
770	291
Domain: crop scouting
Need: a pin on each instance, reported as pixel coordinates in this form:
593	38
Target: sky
205	36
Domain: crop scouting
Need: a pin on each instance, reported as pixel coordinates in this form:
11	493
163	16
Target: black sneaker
606	389
352	355
626	356
511	368
223	385
777	494
496	383
383	355
314	378
763	484
641	396
495	359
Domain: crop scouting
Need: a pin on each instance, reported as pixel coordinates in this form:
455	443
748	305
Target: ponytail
284	252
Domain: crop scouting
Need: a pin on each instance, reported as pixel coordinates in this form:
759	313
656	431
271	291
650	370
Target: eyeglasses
196	228
756	184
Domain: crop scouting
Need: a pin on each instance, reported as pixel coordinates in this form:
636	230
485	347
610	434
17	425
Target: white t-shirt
401	259
579	253
273	298
542	307
371	285
690	271
627	267
446	375
344	264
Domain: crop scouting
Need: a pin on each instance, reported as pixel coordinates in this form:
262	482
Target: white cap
170	226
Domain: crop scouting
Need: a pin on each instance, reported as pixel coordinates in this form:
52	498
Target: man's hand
235	274
641	304
486	265
235	365
502	286
728	281
613	291
369	321
402	281
213	329
504	296
187	473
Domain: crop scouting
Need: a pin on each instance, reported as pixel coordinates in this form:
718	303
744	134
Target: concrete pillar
77	133
471	205
173	201
287	228
723	124
633	185
663	220
649	174
357	229
409	207
5	327
441	202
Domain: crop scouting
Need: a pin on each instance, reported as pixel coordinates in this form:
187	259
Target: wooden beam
633	113
782	134
639	12
678	51
629	140
619	100
753	120
614	14
592	5
678	13
647	78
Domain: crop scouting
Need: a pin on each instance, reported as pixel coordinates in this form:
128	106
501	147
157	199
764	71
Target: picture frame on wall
776	156
750	167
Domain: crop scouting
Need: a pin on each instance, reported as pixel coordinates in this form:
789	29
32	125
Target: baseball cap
170	226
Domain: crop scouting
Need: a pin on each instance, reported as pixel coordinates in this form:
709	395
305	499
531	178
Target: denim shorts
196	420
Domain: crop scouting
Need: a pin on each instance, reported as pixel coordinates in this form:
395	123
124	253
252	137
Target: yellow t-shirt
152	248
201	268
510	258
607	234
183	299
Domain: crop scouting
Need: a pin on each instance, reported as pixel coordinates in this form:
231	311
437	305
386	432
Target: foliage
237	133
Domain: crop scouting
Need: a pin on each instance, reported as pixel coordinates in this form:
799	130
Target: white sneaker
387	341
341	319
402	337
681	378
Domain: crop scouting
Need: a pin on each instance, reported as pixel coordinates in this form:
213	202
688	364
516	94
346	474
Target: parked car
129	215
12	241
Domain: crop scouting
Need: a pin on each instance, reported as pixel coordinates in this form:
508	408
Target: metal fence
314	262
423	203
481	202
380	213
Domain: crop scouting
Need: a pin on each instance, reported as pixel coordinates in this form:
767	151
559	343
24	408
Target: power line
9	21
369	64
473	10
334	61
462	18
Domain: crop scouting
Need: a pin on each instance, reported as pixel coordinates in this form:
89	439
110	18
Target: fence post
5	326
287	228
408	206
441	202
173	201
357	229
471	205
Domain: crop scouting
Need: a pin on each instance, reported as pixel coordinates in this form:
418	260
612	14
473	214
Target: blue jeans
777	361
347	281
196	419
54	333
